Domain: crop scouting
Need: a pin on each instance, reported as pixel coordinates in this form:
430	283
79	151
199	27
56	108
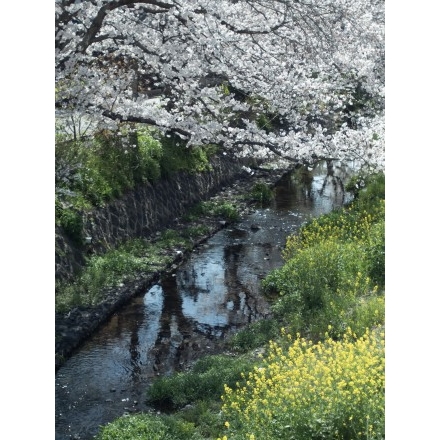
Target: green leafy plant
329	383
213	209
139	426
177	156
92	171
72	223
117	266
367	187
255	335
226	210
205	415
261	193
196	231
335	268
205	381
197	422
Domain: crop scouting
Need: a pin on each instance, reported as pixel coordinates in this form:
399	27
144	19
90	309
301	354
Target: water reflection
215	291
318	189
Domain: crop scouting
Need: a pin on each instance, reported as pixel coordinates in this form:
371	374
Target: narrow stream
213	293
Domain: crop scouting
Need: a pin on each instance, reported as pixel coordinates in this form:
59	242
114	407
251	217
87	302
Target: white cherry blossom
212	71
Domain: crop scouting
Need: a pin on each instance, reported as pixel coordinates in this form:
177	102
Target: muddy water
213	293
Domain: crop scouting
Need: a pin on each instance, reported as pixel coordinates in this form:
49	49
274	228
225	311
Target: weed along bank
135	238
219	220
193	308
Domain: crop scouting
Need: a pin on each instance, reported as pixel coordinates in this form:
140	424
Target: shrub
369	313
194	232
347	225
203	208
178	429
150	155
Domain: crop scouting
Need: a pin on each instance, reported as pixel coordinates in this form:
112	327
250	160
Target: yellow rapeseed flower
327	379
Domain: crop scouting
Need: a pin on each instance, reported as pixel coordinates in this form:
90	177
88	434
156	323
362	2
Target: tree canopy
303	79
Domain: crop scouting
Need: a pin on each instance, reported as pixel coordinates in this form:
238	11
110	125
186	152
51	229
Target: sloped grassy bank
316	369
110	280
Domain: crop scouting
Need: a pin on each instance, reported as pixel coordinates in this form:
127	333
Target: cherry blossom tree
301	79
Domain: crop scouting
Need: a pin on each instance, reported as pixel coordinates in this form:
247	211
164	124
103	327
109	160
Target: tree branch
96	25
142	120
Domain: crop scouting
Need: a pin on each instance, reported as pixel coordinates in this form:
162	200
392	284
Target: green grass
221	210
122	265
255	335
204	382
325	383
261	193
137	427
334	270
197	422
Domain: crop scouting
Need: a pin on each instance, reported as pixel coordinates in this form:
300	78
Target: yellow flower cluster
333	389
349	225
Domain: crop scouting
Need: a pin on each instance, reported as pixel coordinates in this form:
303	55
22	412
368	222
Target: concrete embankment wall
141	212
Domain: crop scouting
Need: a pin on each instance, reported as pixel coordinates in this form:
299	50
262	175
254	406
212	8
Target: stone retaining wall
141	212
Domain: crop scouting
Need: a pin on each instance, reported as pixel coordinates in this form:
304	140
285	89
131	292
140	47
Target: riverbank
141	346
73	327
